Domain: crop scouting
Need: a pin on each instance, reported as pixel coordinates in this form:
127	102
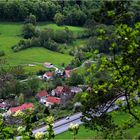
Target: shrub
31	19
64	36
2	53
28	30
35	42
23	44
45	35
59	19
51	45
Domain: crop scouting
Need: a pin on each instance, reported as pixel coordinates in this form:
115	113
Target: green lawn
40	55
10	34
84	133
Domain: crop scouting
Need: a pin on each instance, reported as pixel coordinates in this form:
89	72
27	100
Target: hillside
10	34
69	69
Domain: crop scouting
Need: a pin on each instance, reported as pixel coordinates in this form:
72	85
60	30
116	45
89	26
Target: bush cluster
46	38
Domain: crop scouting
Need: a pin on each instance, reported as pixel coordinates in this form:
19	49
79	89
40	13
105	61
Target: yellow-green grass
34	69
82	134
10	34
41	55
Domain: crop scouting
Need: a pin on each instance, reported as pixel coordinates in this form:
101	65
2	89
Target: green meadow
10	34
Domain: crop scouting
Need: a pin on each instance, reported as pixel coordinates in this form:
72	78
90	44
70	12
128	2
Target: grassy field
10	34
74	29
83	134
87	134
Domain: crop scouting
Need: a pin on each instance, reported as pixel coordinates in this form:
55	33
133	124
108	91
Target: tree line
71	12
62	12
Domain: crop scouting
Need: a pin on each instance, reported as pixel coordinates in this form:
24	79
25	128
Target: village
59	96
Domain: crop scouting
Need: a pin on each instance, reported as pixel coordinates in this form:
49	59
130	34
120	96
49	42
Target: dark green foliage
28	30
51	45
18	10
101	43
113	77
46	111
35	42
63	36
75	16
67	12
71	12
9	84
45	35
30	19
2	53
80	56
75	79
23	44
59	19
5	131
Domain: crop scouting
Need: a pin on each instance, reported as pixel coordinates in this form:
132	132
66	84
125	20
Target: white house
48	76
48	65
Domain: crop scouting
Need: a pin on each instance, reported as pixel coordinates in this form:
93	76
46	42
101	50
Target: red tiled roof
42	93
15	109
53	100
49	74
22	107
62	89
68	73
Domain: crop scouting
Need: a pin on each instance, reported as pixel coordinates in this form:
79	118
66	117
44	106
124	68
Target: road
62	125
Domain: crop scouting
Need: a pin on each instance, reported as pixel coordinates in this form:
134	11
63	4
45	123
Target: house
75	90
58	72
52	100
23	107
41	96
48	76
60	90
11	102
48	65
89	89
63	92
3	106
67	73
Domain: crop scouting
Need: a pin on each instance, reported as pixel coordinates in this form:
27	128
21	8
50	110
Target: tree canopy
114	76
